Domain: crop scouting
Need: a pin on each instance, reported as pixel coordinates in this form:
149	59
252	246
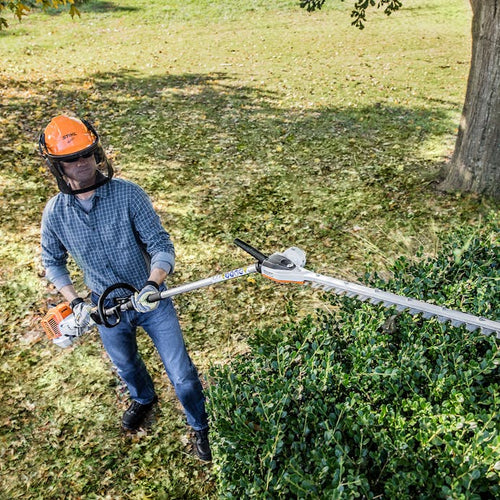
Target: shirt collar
104	190
101	192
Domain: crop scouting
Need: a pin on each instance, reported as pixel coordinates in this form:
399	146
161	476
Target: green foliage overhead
365	403
359	11
21	8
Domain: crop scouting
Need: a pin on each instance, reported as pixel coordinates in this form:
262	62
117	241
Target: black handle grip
251	250
154	297
96	317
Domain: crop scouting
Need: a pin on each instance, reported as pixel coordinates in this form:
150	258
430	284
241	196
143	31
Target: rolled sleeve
58	277
152	234
54	254
163	260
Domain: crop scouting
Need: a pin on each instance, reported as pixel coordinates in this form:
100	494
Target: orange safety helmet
66	139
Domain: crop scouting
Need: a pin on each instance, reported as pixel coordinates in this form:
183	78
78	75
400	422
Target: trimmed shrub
360	402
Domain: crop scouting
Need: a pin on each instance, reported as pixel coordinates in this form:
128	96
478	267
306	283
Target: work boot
202	446
136	414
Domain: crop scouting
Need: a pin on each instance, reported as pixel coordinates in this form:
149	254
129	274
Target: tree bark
475	164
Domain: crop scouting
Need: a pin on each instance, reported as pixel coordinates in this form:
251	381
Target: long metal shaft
212	280
188	287
278	267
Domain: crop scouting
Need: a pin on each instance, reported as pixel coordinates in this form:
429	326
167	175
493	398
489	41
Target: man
111	230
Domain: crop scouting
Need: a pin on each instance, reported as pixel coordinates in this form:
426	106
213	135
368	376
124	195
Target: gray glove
140	299
82	311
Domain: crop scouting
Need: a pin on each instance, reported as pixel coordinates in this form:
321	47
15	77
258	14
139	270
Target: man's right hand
82	311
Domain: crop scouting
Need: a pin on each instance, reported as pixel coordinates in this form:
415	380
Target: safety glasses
76	158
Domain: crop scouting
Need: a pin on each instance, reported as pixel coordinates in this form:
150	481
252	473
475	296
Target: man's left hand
140	299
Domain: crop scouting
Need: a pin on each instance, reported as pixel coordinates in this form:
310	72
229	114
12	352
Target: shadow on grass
105	6
95	6
228	158
220	160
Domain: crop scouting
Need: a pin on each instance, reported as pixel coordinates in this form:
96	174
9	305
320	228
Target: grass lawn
241	119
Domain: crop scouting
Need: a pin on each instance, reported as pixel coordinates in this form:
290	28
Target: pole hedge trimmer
286	267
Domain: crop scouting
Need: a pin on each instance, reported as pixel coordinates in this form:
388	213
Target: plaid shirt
119	240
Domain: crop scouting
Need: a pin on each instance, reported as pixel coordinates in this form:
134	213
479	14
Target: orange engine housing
50	322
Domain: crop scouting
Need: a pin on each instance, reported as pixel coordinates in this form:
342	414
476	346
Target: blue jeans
163	327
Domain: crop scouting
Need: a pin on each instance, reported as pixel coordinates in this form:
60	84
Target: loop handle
116	310
251	250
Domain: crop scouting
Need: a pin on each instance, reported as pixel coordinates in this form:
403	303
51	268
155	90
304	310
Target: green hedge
361	402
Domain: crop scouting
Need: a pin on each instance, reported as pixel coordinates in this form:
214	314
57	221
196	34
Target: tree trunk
475	165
